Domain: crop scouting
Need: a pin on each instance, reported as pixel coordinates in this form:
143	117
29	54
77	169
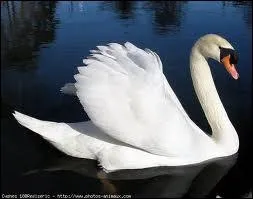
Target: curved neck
222	129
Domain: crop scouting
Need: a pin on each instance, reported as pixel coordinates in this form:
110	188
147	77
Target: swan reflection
192	181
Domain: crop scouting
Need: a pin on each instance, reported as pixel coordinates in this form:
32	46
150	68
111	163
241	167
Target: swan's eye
233	58
224	52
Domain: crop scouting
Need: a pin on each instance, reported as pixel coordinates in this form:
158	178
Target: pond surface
42	43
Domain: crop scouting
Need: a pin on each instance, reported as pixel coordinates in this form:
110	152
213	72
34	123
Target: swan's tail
27	121
51	131
61	135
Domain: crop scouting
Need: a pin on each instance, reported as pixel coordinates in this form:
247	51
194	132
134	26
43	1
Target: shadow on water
188	181
25	26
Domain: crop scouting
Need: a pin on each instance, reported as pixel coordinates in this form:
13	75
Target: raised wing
124	92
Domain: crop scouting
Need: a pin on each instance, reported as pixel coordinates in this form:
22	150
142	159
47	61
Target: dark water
42	43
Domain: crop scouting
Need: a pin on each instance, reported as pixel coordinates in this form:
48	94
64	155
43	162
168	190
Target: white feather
137	120
139	96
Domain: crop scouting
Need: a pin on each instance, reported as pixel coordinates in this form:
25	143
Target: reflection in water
166	14
192	181
75	6
24	27
123	9
246	8
81	6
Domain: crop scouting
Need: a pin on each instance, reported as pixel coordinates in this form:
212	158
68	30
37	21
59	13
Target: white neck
223	131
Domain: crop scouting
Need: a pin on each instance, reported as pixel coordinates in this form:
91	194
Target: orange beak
230	67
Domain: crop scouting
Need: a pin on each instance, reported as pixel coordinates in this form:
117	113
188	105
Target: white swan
136	119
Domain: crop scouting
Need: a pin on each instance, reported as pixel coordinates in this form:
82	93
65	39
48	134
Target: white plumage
136	119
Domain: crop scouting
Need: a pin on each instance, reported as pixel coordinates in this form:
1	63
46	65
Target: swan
137	120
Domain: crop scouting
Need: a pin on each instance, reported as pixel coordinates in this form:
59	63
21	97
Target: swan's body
137	120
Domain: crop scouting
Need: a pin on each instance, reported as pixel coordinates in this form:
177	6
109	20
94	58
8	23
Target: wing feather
125	93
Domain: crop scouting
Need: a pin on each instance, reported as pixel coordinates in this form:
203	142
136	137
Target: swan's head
215	47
